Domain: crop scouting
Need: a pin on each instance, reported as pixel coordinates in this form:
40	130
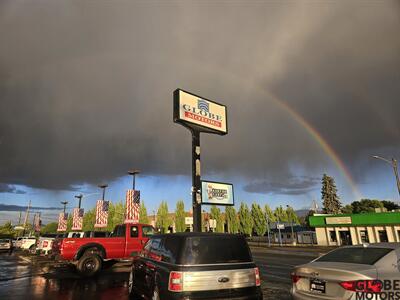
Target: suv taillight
366	286
295	277
257	274
45	244
175	281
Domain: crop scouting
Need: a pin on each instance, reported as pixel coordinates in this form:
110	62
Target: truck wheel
89	264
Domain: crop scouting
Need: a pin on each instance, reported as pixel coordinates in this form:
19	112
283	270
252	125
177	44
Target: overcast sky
86	94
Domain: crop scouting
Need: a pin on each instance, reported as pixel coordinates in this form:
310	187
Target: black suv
195	266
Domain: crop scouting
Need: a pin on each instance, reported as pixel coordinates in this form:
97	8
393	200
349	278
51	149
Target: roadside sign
213	223
280	226
189	220
199	113
216	193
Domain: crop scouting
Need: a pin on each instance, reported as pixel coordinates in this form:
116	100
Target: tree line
254	220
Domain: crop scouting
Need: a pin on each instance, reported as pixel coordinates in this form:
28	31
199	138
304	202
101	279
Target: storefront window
364	236
383	238
332	235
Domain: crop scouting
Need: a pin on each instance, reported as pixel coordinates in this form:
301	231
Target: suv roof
191	248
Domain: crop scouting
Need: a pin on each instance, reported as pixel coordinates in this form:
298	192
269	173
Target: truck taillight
175	281
45	243
257	275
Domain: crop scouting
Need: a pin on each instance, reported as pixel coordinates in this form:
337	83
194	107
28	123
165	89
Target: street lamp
133	173
65	204
103	186
80	199
393	163
291	221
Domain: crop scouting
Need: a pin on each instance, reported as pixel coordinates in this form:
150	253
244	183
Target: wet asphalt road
24	276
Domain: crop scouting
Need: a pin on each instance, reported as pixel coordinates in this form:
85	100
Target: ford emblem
223	279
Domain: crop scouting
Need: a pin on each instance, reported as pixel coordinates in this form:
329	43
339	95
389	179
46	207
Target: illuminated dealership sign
199	113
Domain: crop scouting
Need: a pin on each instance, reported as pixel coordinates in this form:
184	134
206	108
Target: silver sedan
368	271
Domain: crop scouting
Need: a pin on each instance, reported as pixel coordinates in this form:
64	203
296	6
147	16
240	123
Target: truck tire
89	264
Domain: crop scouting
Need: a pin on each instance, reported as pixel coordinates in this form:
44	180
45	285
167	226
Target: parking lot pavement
275	268
31	277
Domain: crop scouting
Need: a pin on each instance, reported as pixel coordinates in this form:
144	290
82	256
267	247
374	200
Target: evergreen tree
245	220
259	221
69	223
118	216
143	218
163	219
231	219
291	216
216	215
269	214
180	215
49	228
89	219
280	215
330	199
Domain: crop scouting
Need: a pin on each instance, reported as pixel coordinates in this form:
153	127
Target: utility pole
393	163
26	217
269	239
19	219
65	204
133	173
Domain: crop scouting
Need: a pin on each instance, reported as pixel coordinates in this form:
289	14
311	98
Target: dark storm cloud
292	186
86	87
8	188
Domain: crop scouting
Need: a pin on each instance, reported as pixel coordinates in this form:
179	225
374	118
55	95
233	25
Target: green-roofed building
353	229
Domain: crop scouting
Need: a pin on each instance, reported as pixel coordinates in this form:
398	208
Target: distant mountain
302	212
6	207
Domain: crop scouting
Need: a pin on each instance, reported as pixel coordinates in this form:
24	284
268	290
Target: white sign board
280	226
197	112
189	220
213	223
216	193
337	220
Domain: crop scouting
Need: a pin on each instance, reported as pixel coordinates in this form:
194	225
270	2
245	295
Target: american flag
62	222
132	206
77	219
101	213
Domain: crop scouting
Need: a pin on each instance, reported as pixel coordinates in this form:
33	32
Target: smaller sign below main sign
216	193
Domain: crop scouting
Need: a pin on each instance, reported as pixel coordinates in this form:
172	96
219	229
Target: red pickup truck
89	253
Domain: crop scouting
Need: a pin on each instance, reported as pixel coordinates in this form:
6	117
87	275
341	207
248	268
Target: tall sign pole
198	115
196	181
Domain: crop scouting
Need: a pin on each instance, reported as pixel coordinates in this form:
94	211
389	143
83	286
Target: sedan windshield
365	256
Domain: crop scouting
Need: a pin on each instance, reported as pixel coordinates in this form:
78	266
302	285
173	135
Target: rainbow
328	149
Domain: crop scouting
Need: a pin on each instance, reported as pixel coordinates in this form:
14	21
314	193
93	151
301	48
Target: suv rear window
215	250
365	256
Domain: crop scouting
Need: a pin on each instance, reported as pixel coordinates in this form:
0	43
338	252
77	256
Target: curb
285	252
